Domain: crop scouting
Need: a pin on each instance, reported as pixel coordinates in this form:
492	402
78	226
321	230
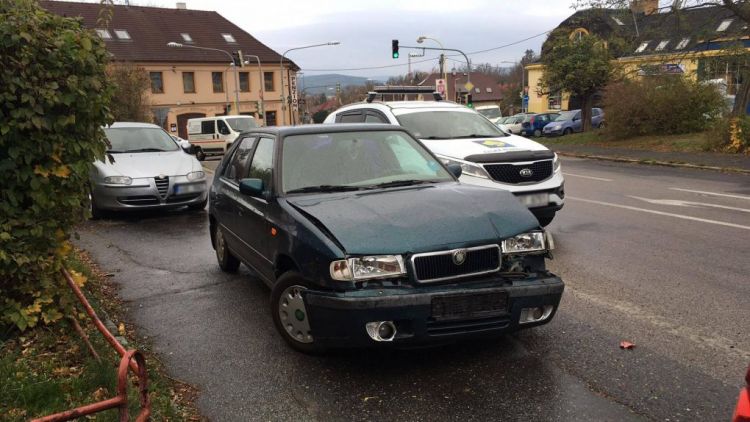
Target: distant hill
316	84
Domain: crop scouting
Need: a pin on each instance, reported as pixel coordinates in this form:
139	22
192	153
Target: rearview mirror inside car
252	187
455	170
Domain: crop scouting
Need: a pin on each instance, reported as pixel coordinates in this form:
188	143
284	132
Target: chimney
181	5
645	7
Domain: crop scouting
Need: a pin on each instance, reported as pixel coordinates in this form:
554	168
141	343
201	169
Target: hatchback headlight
368	267
467	168
556	127
525	243
118	180
196	175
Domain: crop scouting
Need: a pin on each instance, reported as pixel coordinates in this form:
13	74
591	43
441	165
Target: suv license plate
465	306
534	200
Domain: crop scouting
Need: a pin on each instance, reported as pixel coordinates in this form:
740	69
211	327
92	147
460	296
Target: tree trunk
587	101
742	97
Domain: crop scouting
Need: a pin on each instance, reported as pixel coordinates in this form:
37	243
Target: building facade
188	56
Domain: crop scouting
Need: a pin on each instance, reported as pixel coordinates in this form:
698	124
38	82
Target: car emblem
161	176
459	256
526	172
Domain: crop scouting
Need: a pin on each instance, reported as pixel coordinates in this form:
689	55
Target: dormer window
683	43
104	34
724	25
122	34
229	38
617	21
186	37
662	45
642	47
489	89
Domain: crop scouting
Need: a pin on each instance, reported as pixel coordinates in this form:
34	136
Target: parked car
534	124
212	135
366	238
145	169
514	124
570	121
491	112
489	157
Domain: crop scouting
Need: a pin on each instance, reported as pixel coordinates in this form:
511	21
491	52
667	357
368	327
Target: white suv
487	155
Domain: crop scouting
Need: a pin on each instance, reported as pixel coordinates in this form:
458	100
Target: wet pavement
669	284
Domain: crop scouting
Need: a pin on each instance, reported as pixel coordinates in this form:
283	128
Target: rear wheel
290	314
227	262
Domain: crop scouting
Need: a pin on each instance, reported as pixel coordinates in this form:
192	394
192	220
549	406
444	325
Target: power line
430	59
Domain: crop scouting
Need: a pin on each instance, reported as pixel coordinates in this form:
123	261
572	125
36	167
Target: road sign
469	86
440	87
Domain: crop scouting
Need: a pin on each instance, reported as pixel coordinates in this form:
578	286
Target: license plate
178	189
469	306
534	200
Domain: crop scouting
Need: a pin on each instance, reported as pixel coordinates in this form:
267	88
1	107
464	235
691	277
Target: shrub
54	99
660	105
731	134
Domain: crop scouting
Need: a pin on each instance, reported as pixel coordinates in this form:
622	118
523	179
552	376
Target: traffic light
338	88
469	101
236	58
394	48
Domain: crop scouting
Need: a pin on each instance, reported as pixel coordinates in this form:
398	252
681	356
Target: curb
654	162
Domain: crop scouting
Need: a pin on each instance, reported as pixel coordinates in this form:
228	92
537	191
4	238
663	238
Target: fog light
381	330
538	314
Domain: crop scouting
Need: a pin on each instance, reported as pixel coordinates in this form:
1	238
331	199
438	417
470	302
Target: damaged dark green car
365	238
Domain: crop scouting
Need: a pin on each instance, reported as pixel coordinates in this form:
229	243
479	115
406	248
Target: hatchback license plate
534	200
469	306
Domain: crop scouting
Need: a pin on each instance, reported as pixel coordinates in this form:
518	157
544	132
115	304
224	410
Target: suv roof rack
403	89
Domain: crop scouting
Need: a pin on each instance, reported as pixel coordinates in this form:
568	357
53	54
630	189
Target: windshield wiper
474	135
433	137
325	188
147	150
396	183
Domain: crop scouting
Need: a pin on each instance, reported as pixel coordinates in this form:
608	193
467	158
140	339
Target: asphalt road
656	256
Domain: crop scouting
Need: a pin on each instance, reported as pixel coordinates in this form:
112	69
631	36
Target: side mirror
185	145
455	170
252	187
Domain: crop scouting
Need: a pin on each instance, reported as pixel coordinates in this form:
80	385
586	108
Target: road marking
668	214
601	179
713	193
681	203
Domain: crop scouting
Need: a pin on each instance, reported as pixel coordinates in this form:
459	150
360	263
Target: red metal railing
132	359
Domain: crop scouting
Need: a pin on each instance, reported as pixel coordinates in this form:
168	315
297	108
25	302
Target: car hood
148	164
416	219
462	148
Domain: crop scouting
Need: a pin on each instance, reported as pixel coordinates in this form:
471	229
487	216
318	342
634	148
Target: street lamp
261	106
523	80
281	65
421	39
231	59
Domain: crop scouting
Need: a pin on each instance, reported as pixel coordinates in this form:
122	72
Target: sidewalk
706	160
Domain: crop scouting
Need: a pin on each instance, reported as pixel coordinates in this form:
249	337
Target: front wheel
199	206
537	133
199	154
290	314
567	131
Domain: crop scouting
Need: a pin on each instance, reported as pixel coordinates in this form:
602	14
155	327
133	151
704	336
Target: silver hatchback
145	169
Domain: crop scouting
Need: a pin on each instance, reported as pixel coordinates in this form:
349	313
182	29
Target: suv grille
162	185
436	266
511	173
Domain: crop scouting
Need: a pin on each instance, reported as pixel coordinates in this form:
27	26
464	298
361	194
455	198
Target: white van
213	135
491	112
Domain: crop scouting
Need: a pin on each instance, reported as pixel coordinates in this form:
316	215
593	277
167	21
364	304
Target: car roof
133	124
282	131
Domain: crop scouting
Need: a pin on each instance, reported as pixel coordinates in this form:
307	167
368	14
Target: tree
579	66
130	103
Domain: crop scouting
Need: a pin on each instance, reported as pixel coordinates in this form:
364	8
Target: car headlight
118	180
557	127
467	168
368	267
196	175
556	163
525	243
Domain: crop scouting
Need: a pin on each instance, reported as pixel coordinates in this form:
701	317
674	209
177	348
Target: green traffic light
395	55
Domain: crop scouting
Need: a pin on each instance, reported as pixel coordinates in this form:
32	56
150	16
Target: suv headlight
467	168
368	267
196	175
118	180
556	163
525	243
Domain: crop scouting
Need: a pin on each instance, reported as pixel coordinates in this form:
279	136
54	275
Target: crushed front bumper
338	319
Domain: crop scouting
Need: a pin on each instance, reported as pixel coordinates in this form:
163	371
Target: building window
186	37
104	34
724	25
229	38
157	83
268	81
683	43
122	34
244	82
554	101
218	81
578	34
489	89
662	45
642	47
188	82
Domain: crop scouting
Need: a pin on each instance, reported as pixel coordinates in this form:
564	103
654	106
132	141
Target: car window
237	166
350	118
241	124
448	125
223	128
594	112
374	118
356	159
566	115
262	165
208	127
139	139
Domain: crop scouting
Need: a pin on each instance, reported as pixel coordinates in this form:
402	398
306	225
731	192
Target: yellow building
194	77
684	42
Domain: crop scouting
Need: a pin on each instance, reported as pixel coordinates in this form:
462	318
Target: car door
577	126
227	194
252	212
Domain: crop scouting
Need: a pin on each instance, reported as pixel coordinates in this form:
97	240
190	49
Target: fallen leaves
626	345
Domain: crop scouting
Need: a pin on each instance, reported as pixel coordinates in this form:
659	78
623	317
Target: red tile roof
151	28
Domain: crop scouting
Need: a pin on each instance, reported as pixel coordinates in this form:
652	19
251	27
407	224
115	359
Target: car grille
138	200
511	173
162	185
450	327
436	266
